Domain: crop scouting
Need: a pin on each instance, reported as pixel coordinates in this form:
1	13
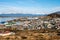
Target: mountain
55	14
18	15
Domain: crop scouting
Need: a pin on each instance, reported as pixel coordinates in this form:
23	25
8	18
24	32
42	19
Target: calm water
6	19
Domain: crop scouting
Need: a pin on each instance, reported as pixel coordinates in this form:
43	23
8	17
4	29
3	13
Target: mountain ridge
2	15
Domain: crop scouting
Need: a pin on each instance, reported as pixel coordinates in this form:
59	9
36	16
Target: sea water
4	19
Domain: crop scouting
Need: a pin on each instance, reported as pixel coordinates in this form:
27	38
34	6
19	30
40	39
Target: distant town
43	25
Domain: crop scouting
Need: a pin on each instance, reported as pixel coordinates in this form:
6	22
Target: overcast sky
29	6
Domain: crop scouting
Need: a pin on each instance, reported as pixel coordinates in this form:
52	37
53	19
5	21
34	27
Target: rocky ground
31	35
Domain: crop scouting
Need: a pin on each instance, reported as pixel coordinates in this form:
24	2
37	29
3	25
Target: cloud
13	9
27	10
55	9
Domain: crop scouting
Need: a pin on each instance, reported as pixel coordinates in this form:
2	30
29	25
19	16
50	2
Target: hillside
55	14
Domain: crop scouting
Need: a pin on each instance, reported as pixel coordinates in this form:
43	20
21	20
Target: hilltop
55	14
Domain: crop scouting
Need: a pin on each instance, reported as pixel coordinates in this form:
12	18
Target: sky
29	6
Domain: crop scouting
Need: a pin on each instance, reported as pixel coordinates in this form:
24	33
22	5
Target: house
2	26
8	24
